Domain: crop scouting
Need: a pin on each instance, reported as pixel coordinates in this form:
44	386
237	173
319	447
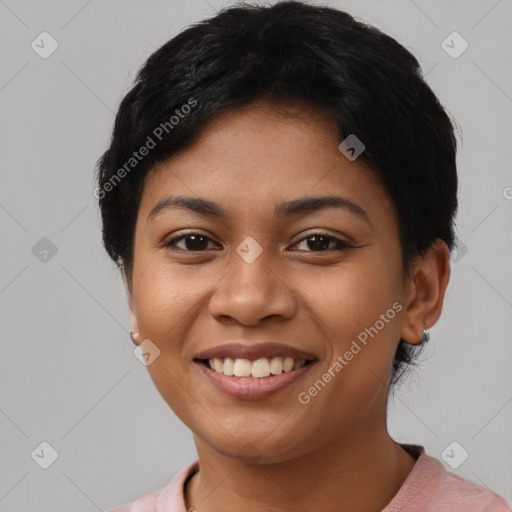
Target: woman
279	193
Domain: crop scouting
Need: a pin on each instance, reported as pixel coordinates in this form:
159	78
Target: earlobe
135	336
134	332
412	334
415	335
431	274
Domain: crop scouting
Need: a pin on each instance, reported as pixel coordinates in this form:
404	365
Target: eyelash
340	245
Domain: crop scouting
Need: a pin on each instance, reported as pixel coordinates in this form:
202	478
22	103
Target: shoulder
450	489
431	487
168	497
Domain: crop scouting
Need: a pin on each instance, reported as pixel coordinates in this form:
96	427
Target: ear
425	291
129	292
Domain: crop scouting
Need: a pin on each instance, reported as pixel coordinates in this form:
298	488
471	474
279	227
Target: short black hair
289	52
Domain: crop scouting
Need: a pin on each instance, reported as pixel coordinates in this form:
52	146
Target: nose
250	292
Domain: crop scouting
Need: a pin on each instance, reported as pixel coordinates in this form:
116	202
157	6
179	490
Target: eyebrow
287	209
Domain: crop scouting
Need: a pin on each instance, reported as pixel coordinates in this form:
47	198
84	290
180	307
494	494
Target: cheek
170	301
348	300
357	310
166	302
165	297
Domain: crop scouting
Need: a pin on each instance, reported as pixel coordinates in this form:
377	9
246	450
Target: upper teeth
259	368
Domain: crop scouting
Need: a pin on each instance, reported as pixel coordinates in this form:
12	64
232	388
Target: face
325	280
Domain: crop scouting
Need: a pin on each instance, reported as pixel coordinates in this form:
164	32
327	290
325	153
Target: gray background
67	372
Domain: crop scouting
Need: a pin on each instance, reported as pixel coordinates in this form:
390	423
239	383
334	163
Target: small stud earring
134	336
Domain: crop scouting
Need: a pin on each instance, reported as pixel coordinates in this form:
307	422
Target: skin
276	454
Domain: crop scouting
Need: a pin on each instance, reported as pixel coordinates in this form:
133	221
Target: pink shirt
428	488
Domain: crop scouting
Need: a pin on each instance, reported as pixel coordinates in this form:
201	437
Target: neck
361	474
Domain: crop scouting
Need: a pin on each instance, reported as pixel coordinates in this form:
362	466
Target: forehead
253	158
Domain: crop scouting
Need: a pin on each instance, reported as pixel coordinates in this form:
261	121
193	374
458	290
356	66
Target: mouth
253	370
256	379
260	368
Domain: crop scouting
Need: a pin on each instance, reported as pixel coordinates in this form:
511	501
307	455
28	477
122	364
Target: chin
254	448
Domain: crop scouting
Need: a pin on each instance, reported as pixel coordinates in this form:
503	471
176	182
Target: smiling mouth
257	369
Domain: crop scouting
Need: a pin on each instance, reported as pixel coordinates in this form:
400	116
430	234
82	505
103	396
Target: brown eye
192	242
319	242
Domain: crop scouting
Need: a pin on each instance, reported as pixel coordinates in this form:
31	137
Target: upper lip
239	350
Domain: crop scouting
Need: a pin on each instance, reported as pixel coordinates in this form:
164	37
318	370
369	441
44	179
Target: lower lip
252	388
